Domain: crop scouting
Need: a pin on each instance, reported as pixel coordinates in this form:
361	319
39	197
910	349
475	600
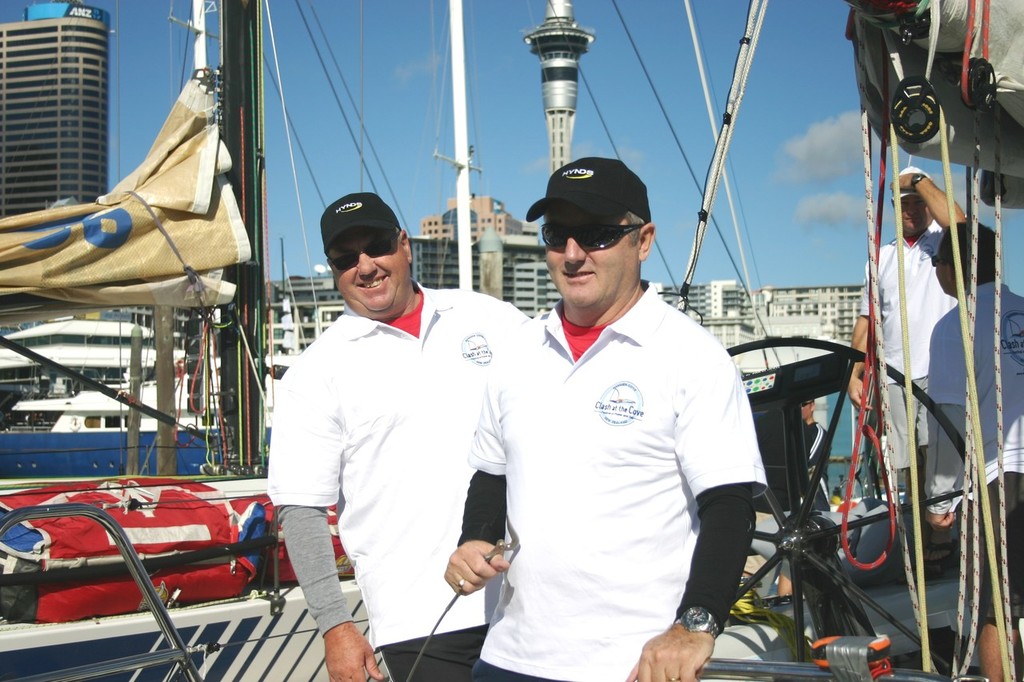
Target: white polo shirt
949	385
926	302
604	459
386	419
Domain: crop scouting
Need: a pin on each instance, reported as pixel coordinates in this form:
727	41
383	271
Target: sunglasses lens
345	260
600	237
382	246
587	236
555	236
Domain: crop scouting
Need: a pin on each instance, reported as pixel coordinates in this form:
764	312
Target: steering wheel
808	541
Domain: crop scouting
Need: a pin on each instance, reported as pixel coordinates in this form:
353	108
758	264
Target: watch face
697	619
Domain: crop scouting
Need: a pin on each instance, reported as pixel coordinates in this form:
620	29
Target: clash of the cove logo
476	350
621	404
1011	333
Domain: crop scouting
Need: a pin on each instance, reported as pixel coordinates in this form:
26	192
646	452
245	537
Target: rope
744	59
998	367
751	608
921	597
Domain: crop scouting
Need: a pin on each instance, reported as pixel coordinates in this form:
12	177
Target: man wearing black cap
377	416
620	433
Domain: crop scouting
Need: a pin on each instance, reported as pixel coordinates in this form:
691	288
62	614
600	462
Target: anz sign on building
64	10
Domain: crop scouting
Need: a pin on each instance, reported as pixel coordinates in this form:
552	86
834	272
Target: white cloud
828	149
836	208
409	70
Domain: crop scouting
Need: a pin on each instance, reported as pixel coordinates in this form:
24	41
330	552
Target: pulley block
915	110
981	84
913	26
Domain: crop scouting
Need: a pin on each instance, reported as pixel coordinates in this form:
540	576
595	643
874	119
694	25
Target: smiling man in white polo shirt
377	415
623	436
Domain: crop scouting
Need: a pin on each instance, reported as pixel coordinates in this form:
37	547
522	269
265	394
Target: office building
484	212
53	106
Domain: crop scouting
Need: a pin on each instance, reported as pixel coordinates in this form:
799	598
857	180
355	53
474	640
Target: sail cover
161	237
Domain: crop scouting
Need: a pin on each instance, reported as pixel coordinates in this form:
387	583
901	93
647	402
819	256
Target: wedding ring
462	583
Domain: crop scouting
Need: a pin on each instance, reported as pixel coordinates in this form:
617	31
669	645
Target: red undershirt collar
410	322
580	339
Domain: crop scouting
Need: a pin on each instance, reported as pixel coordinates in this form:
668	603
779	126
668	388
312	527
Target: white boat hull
239	639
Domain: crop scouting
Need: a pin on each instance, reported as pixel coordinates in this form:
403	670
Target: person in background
947	387
619	436
377	416
925	217
814	439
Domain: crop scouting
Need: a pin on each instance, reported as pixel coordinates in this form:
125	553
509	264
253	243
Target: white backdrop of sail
884	60
112	252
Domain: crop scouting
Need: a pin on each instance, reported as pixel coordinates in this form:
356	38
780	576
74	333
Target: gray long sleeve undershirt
312	555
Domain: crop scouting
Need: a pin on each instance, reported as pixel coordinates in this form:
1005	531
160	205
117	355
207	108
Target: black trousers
449	657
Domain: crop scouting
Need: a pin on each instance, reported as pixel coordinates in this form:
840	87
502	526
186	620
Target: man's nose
365	264
573	251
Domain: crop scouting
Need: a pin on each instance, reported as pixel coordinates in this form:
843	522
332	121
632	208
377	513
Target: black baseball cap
599	186
361	209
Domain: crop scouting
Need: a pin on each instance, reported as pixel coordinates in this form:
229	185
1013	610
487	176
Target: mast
242	338
463	232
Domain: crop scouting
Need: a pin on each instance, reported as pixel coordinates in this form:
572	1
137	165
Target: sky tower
559	42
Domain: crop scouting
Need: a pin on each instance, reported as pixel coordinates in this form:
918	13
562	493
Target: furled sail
161	237
892	39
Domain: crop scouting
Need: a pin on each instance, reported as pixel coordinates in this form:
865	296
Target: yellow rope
921	607
751	608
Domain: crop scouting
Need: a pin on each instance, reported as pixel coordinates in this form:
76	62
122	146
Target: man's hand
856	391
940	521
469	569
675	654
349	657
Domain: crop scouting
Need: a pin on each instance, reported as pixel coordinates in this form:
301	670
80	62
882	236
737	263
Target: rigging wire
684	289
369	140
298	140
744	58
291	154
725	178
615	151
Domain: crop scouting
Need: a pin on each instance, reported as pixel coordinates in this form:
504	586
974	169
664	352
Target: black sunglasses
587	236
375	248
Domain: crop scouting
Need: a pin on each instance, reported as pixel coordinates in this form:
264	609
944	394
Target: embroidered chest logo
621	404
476	350
1012	336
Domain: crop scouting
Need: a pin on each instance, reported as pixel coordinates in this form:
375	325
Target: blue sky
795	164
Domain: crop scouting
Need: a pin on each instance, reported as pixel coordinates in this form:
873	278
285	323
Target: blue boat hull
47	454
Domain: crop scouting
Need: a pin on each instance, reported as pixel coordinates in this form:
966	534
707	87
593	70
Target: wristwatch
698	619
916	178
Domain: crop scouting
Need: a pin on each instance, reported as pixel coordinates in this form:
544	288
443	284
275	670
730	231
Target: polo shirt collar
639	324
356	326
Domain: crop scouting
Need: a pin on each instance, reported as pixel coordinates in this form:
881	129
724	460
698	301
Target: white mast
199	28
463	227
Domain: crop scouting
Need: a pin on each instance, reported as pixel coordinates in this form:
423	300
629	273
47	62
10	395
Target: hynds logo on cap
578	174
361	209
611	190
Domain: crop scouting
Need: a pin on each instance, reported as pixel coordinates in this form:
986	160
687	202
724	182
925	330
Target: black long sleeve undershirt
726	528
484	514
